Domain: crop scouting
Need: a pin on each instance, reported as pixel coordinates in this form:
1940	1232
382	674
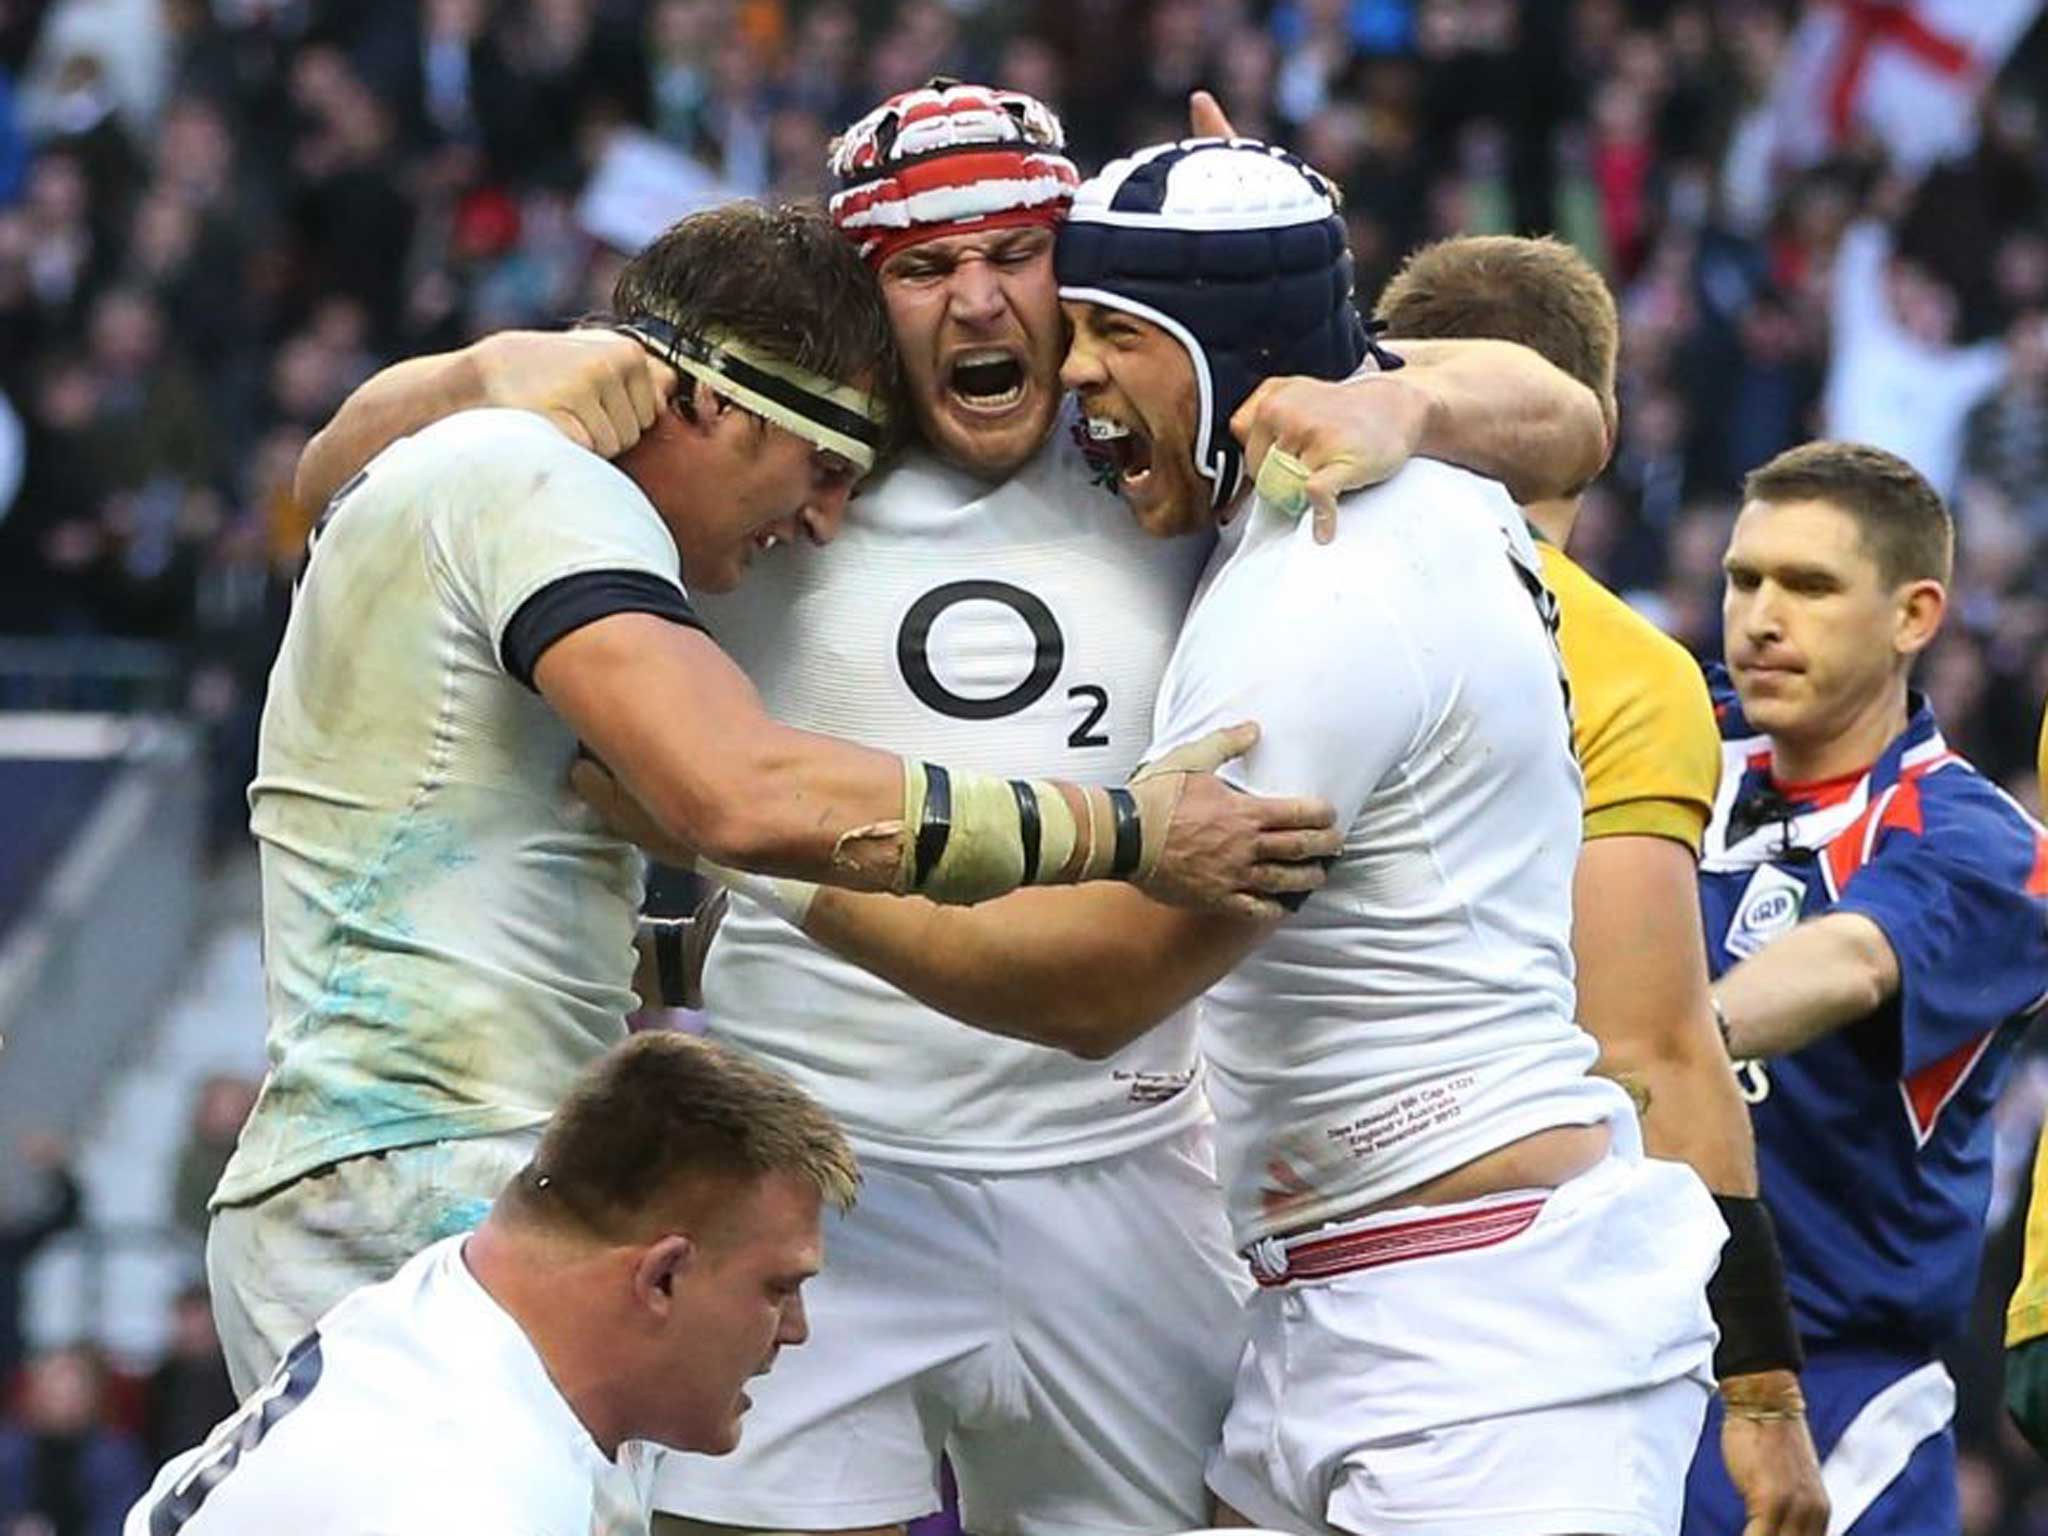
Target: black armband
1130	834
568	603
1030	827
1747	1295
935	831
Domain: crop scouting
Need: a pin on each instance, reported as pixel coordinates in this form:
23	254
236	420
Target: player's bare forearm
398	400
690	761
1086	970
1824	974
1498	408
681	727
1642	985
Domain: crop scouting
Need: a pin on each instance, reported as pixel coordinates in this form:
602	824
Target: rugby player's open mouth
1129	449
988	380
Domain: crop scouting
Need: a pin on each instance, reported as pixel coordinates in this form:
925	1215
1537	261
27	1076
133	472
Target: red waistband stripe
1283	1261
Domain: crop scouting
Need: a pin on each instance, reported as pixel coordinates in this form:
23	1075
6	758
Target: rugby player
1469	1277
448	933
990	601
1877	924
626	1286
1644	734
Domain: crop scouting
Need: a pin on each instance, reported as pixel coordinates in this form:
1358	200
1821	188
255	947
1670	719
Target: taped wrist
788	899
1747	1295
967	837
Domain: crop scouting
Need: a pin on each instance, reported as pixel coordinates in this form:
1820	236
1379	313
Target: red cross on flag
1909	71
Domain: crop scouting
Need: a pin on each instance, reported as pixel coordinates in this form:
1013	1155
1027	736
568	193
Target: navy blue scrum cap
1238	250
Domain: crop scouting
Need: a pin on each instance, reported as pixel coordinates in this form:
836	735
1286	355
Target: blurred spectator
188	1392
64	1469
2005	441
56	1210
1897	377
222	1104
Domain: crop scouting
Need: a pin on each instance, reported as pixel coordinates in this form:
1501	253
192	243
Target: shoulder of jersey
1424	483
1969	805
492	442
1650	655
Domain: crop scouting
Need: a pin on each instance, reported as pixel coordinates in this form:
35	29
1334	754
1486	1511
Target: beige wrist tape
967	837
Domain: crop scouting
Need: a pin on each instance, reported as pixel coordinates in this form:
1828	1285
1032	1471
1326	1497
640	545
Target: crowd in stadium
218	221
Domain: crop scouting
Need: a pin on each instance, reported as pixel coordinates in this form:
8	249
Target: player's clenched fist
600	388
1214	847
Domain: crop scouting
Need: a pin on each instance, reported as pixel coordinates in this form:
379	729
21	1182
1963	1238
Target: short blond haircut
1534	290
662	1109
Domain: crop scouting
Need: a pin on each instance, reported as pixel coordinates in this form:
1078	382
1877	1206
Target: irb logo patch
1770	906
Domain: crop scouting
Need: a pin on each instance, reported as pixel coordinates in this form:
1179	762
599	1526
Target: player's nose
973	294
796	1326
823	514
1082	369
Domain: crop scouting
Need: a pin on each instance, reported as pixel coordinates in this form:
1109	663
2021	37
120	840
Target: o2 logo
1049	654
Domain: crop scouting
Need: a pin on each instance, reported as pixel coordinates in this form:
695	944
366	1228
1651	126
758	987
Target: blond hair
661	1108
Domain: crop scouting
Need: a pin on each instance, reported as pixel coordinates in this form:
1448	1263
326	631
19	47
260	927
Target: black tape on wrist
935	830
1130	834
1747	1295
1028	828
668	960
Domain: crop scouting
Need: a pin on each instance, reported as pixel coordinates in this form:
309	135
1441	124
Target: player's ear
699	405
660	1266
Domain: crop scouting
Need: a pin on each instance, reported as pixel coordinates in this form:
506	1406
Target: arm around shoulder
598	388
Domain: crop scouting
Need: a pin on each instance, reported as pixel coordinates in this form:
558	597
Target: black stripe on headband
794	397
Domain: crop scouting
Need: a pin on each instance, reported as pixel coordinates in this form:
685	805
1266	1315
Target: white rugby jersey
447	929
1017	629
418	1407
1417	1011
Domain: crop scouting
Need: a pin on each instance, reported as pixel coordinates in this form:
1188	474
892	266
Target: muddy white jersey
417	1407
447	929
1417	1011
1020	629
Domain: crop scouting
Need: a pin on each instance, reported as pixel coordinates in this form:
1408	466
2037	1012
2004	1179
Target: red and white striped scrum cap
949	159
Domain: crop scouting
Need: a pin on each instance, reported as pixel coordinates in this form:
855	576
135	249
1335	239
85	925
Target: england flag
1912	72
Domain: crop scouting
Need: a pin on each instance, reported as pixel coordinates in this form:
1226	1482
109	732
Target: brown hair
1902	521
662	1108
1536	291
778	277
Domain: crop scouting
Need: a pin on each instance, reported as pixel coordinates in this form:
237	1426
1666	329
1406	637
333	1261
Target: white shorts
1067	1337
1536	1364
277	1264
